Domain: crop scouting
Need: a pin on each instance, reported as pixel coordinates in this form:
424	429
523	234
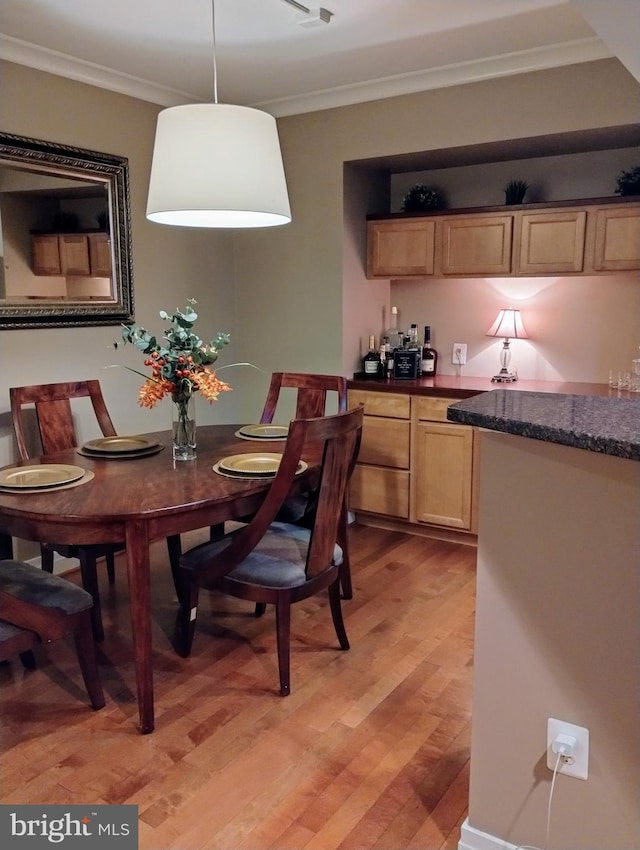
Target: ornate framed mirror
65	236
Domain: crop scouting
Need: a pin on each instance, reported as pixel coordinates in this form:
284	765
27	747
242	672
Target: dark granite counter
598	424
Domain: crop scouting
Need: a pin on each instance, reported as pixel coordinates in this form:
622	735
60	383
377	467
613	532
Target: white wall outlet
459	353
577	764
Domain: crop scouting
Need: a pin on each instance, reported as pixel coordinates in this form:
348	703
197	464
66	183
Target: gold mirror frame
50	158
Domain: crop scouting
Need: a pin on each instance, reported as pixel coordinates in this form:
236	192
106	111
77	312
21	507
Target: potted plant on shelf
628	182
514	191
420	198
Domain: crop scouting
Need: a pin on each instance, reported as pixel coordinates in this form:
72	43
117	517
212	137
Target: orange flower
151	392
210	386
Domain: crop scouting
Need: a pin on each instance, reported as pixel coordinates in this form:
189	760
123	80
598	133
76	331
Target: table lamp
509	326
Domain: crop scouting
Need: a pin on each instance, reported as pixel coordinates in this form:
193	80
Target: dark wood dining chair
35	608
270	562
57	432
312	393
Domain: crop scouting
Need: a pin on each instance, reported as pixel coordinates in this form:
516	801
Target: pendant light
217	165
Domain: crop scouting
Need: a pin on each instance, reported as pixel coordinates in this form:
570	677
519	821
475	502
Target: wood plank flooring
370	750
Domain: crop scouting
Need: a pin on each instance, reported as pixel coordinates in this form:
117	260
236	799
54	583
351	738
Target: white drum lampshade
217	165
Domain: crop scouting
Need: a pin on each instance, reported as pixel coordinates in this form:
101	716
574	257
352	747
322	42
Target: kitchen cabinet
550	242
400	248
569	237
71	254
380	482
617	238
413	464
443	468
475	244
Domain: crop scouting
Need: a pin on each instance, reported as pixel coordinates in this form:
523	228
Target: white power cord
563	756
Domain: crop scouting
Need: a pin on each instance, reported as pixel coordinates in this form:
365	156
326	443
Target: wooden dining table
136	501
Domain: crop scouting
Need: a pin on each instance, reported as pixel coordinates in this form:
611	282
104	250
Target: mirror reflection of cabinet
81	254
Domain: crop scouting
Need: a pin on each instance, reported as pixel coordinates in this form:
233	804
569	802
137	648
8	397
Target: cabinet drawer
434	409
381	404
380	491
385	442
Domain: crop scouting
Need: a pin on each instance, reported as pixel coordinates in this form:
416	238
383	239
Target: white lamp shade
217	165
508	325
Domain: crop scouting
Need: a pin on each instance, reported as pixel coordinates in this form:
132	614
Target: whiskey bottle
429	355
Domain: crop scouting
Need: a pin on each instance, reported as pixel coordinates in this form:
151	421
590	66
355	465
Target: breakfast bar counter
557	617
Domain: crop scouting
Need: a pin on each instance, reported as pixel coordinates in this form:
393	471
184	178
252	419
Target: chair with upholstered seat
35	608
278	563
313	392
57	432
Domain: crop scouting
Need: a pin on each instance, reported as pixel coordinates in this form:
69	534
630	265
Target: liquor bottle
371	360
429	355
392	332
413	338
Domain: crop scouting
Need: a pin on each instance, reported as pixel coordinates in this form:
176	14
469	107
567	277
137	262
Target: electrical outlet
459	353
578	764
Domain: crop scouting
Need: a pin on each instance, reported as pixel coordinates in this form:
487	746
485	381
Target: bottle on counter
371	360
429	355
413	338
393	334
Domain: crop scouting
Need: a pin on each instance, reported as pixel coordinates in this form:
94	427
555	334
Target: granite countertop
595	423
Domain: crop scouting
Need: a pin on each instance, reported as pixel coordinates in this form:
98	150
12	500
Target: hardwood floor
370	750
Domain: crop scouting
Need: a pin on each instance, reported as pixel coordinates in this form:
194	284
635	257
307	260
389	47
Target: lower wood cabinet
414	465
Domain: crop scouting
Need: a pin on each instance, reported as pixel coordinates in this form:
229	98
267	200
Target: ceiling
161	50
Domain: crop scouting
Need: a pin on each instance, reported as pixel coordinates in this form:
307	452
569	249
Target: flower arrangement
179	365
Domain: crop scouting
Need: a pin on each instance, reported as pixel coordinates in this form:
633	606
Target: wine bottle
371	360
429	355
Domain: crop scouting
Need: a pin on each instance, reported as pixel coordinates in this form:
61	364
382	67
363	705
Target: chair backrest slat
53	413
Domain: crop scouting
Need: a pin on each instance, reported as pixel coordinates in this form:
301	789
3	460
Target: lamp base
504	377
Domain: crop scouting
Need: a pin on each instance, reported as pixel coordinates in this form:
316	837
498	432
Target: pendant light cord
215	64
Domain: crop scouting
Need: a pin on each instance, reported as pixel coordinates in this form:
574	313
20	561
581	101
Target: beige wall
310	274
170	264
557	636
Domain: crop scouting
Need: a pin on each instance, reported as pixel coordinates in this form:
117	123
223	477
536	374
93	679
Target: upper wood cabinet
550	242
71	254
617	238
569	238
400	248
475	244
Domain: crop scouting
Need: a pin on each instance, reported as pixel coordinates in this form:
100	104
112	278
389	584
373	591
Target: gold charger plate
119	445
253	476
252	463
42	475
263	432
152	450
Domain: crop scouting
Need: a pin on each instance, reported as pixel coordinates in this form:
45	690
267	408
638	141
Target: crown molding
508	64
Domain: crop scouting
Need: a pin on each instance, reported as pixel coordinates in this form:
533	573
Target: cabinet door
476	244
617	245
45	255
443	474
74	254
100	254
552	242
380	491
400	248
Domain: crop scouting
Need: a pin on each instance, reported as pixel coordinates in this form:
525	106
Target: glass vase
184	427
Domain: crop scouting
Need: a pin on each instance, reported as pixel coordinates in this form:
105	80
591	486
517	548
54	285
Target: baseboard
474	839
451	535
